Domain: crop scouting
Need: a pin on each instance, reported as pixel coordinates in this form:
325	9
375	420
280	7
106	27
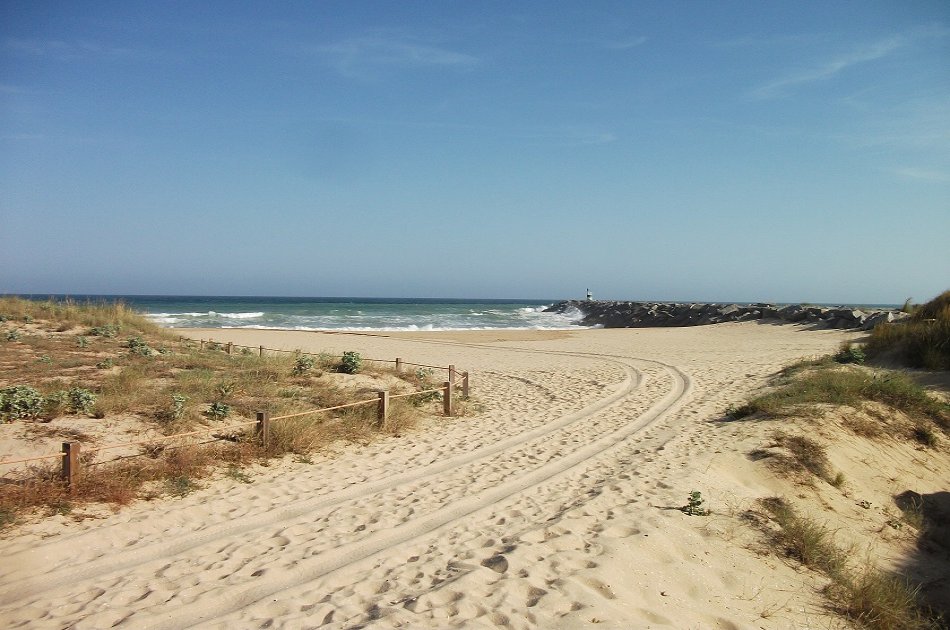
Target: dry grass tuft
868	596
138	371
921	341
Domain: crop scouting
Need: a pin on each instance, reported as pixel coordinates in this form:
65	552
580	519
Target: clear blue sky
784	151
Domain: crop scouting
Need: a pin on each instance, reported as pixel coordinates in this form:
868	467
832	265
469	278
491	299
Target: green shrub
82	342
137	345
105	364
694	505
424	383
302	365
109	330
13	335
351	363
80	400
850	353
218	411
20	401
28	319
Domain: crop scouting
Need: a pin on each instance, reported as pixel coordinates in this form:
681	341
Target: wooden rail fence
72	450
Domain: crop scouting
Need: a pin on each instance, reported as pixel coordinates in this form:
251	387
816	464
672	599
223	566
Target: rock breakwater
668	314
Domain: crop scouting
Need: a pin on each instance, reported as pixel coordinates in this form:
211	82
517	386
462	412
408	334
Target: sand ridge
553	507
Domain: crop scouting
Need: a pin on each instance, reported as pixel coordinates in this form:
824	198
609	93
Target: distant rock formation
668	314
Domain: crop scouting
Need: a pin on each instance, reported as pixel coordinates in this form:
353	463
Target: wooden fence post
230	345
70	464
262	351
447	406
262	429
202	344
465	384
452	374
383	410
398	365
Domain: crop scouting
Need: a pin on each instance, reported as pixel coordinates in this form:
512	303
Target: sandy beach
550	504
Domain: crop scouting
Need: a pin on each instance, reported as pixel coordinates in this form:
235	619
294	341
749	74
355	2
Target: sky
707	151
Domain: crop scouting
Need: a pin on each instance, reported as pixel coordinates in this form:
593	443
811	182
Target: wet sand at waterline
551	504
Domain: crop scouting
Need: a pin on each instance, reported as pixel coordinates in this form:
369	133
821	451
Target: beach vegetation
20	402
694	505
137	345
351	362
851	386
865	594
186	389
13	335
850	353
302	365
920	341
218	411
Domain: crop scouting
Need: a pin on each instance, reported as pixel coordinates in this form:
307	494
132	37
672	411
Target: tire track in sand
361	551
30	586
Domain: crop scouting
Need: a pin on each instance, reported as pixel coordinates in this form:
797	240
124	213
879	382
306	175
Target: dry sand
552	506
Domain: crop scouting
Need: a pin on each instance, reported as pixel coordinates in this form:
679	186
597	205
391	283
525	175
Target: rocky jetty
667	314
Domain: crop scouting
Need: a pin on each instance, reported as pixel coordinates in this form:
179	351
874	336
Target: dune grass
850	386
921	341
872	598
135	369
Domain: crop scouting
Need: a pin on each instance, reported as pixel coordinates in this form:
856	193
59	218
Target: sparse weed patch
873	598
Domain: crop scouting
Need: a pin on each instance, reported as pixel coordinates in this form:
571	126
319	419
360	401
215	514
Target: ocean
346	314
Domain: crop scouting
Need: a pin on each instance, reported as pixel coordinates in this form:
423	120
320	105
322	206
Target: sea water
353	314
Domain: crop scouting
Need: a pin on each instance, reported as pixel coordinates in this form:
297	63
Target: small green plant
302	365
180	486
3	318
28	319
178	406
850	353
79	400
218	411
694	505
105	364
425	384
351	363
235	472
214	345
137	345
109	330
20	402
82	342
246	351
45	359
13	335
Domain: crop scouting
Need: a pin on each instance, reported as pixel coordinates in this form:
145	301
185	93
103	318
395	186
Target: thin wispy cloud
828	69
922	175
624	44
358	56
61	50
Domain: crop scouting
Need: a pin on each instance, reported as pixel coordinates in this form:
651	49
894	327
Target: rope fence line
70	454
305	413
229	346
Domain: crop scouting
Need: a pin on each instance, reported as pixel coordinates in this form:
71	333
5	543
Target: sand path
549	508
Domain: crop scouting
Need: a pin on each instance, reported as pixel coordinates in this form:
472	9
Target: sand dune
551	507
